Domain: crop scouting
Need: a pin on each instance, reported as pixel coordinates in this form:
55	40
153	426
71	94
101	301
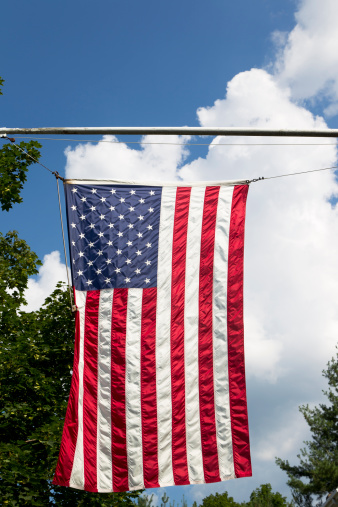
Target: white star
109	243
131	208
98	271
137	271
152	192
130	226
73	243
99	253
148	245
93	190
112	208
81	235
80	273
129	243
73	261
140	235
122	199
132	192
148	263
111	225
81	254
140	217
91	244
141	201
92	226
120	234
90	263
93	208
102	217
74	190
83	199
89	282
113	191
118	252
147	280
102	199
121	217
73	225
128	261
138	252
82	217
127	280
107	280
117	270
73	208
150	210
150	227
101	234
108	261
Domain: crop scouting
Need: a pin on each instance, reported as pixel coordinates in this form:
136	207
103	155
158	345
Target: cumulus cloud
113	160
307	58
51	272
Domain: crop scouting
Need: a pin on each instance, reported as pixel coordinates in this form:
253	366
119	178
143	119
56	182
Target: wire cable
174	144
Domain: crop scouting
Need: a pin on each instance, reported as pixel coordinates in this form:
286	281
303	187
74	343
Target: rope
72	306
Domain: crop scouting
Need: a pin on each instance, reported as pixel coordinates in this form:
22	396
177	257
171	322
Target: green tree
14	163
264	497
317	473
220	500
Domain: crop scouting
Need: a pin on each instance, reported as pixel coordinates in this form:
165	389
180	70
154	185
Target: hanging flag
158	394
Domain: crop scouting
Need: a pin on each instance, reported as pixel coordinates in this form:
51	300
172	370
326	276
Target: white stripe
77	475
191	316
163	322
133	389
104	457
220	335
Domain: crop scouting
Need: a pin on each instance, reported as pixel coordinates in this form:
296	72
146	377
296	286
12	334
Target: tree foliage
14	165
317	473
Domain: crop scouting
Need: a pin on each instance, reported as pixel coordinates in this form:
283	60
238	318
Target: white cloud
51	272
307	60
111	160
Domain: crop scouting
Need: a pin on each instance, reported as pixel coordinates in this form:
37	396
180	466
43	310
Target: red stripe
179	450
148	388
118	390
206	375
69	436
90	389
237	388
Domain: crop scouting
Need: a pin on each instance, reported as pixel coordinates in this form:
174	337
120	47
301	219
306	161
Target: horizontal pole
194	131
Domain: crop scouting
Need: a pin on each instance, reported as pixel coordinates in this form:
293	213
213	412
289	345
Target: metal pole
199	131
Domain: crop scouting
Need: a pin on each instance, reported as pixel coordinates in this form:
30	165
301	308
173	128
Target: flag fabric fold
158	394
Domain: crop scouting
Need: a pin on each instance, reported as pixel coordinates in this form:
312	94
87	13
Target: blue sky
269	63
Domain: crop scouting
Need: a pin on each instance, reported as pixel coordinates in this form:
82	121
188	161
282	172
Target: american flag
158	394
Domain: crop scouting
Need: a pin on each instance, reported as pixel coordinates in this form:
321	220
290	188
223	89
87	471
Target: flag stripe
238	405
180	465
148	389
133	389
70	429
206	380
193	427
77	476
90	390
163	320
220	338
118	402
104	457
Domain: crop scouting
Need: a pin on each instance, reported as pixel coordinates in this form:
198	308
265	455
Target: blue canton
113	235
